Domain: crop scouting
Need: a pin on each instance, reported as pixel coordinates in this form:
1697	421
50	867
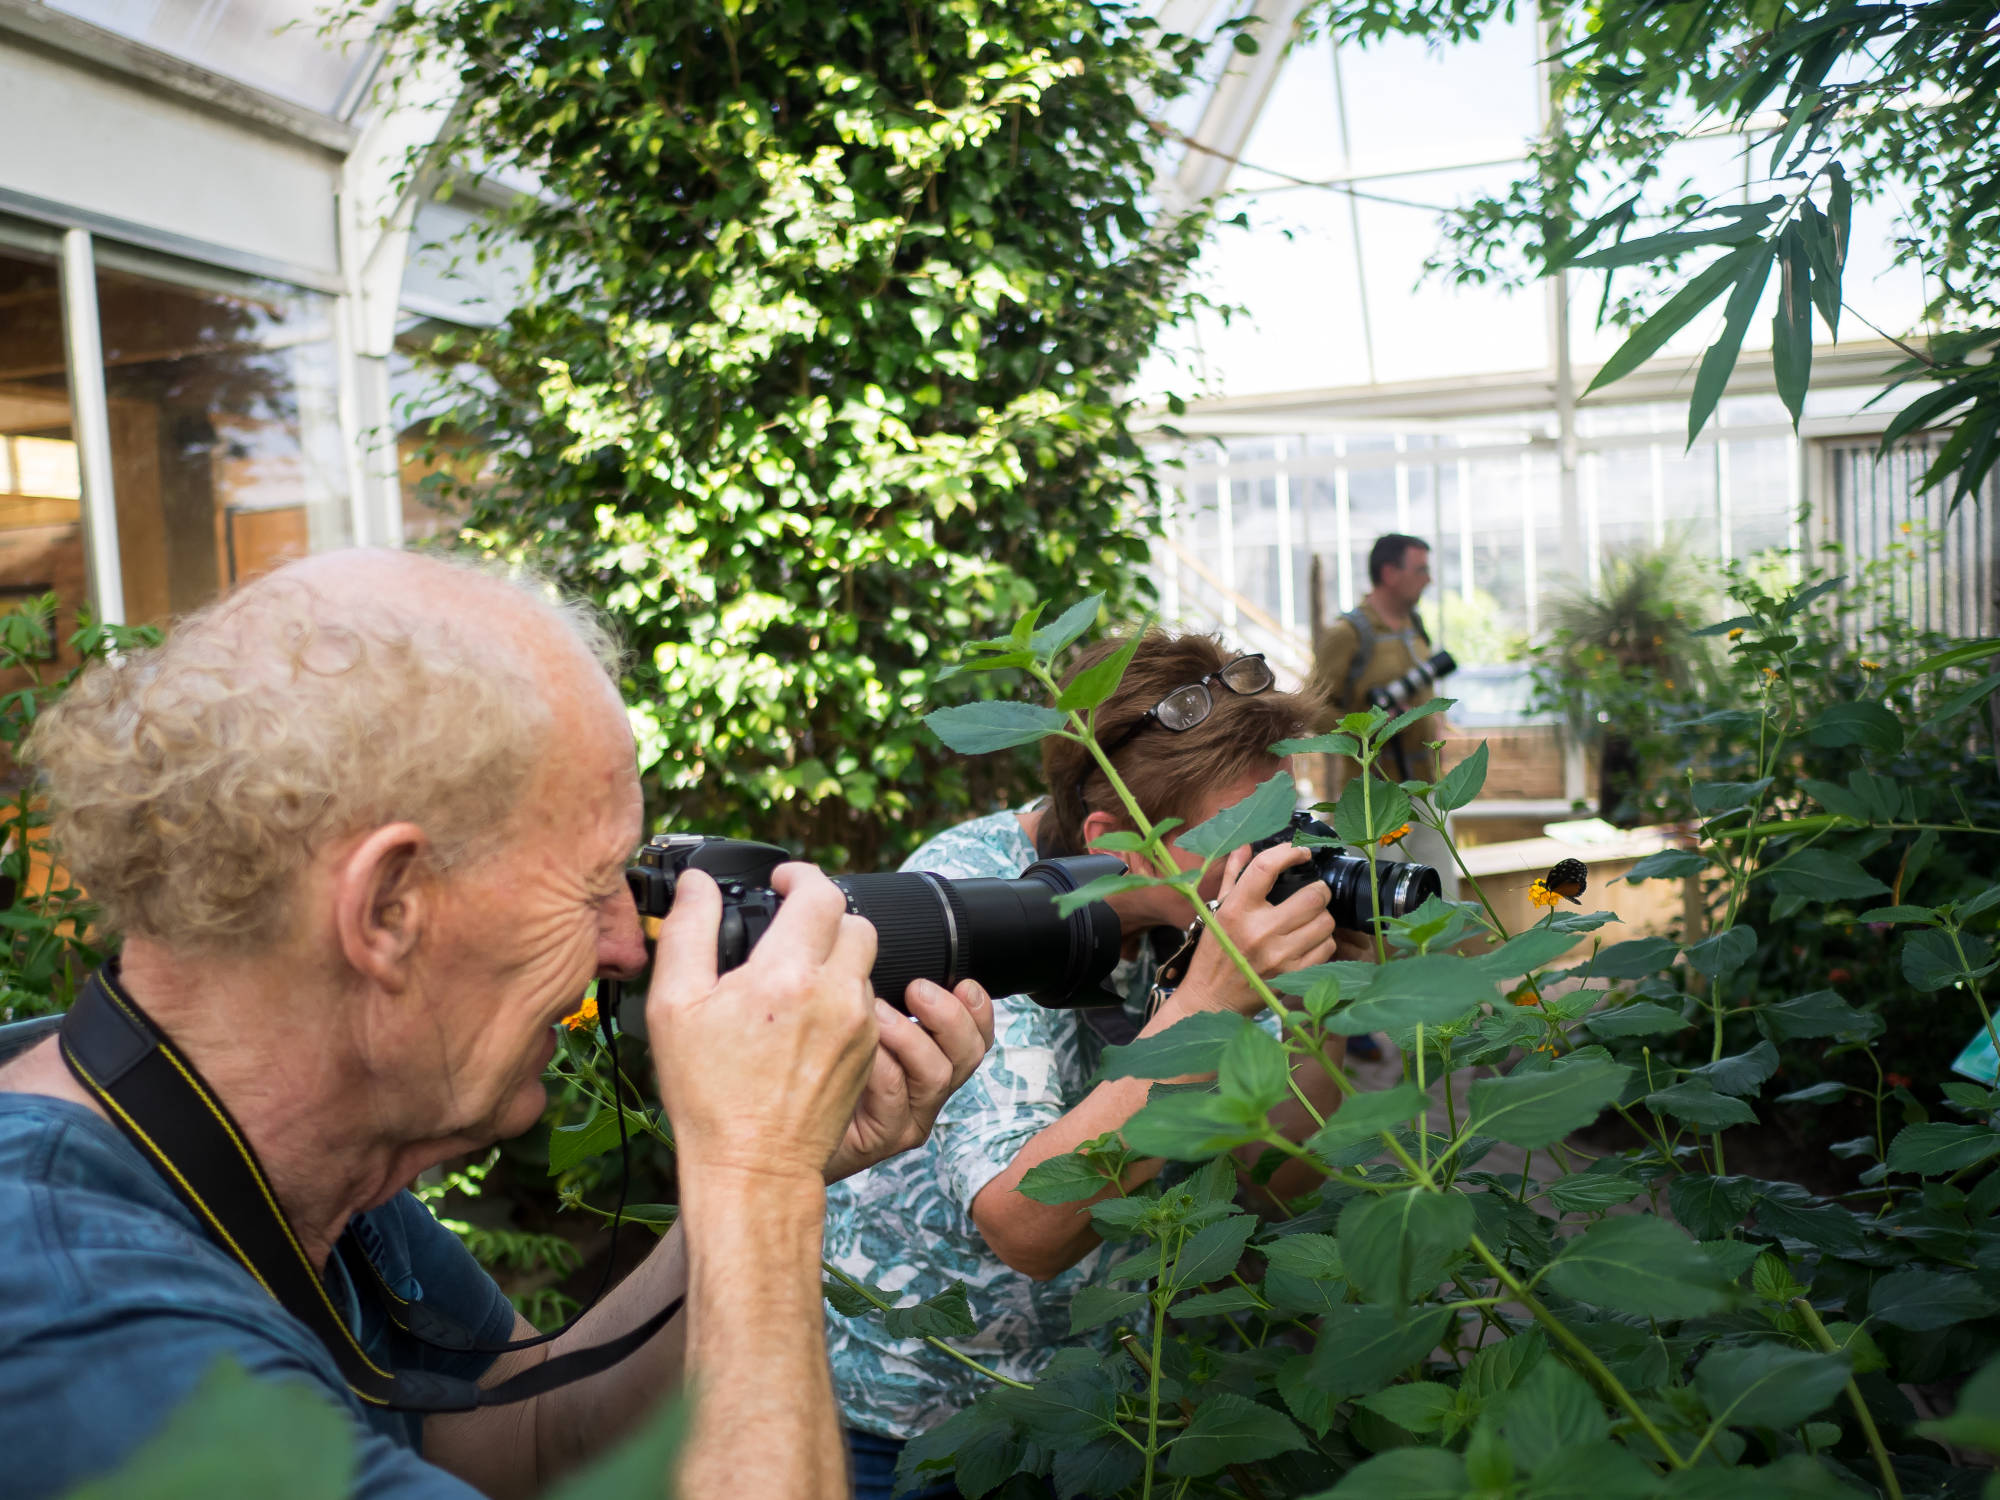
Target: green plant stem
965	1359
1579	1351
1867	1418
1978	998
1153	1378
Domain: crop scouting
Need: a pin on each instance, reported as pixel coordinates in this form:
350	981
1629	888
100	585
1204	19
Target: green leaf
1403	1474
238	1435
1639	1264
1922	915
1192	1045
1975	1419
1668	864
1103	888
1230	1429
1594	1471
1419	1408
1410	716
1709	1207
846	1301
1867	725
1500	1366
1211	1252
977	1442
1818	1093
1096	683
1259	815
1368	809
1094	1306
1189	1127
993	724
1362	1346
1633	960
1821	875
945	1316
1592	1192
1650	336
1743	1074
1768	1385
1254	1069
1939	1150
1720	359
1462	783
1639	1018
1538	1109
571	1144
1724	952
1920	1299
1051	639
1551	1410
1397	1247
1835	799
1822	1013
1370	1114
1231	1299
1697	1102
1524	952
1931	962
1791	321
1062	1179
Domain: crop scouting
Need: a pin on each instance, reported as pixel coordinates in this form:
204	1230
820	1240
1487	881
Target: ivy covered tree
824	368
1832	100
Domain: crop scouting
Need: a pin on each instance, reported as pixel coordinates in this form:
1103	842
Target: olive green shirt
1394	653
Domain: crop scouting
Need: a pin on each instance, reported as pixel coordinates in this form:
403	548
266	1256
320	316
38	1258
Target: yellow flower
1541	895
1523	995
1392	835
1873	666
1670	684
1904	527
1770	674
585	1017
1736	634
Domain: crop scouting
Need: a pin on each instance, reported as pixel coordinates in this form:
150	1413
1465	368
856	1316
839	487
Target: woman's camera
1403	887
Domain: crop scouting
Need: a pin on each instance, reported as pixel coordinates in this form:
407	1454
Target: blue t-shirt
114	1304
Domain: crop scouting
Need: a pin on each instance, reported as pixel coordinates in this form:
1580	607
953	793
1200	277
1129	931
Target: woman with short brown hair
1189	731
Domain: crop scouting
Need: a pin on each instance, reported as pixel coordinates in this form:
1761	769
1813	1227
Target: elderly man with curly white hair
361	828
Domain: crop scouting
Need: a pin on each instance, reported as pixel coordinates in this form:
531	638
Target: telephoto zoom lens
1006	934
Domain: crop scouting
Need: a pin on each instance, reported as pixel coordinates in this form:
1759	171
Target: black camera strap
159	1100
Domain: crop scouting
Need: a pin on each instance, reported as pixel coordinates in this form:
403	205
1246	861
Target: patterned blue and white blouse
906	1225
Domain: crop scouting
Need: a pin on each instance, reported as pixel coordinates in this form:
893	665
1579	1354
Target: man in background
1375	643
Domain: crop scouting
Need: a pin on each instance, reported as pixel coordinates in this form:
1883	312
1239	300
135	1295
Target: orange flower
585	1017
1523	995
1770	674
1897	1080
1736	634
1392	835
1541	895
1873	666
1904	527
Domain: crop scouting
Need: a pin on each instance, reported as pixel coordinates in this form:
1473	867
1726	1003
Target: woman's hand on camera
1295	934
921	1060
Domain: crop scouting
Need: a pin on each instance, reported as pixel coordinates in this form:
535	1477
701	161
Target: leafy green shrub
827	365
1636	1322
46	946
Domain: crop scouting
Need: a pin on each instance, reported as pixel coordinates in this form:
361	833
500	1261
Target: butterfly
1569	878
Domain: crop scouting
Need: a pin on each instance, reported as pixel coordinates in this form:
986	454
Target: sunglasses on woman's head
1191	703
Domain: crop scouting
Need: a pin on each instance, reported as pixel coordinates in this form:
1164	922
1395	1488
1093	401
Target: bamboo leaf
1721	356
1647	339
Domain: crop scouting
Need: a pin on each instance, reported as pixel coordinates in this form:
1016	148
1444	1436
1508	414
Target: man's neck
318	1123
1392	611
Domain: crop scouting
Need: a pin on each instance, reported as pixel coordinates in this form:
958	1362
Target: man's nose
621	943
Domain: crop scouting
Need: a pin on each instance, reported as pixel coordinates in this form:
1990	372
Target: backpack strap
1364	648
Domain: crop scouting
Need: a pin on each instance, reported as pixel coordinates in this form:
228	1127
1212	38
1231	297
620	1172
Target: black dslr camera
1007	934
1395	696
1404	886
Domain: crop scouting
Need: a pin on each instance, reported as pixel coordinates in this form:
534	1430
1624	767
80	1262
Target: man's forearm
764	1419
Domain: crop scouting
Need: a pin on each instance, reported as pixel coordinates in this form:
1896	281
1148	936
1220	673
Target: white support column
1343	535
1795	452
1288	600
1466	584
1402	487
1530	582
1658	455
90	422
1724	510
1590	478
1225	538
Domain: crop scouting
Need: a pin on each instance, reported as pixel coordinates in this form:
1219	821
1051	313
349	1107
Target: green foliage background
824	364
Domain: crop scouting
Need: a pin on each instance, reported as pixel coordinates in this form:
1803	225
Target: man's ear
381	902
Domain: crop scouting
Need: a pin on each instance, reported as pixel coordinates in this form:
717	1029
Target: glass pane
273	45
225	437
41	517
